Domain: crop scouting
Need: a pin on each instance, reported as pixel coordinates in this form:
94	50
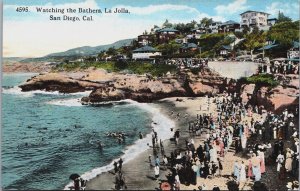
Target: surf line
132	151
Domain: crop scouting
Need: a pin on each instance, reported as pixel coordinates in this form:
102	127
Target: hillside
9	60
78	52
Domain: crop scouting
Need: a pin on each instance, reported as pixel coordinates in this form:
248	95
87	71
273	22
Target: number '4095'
22	9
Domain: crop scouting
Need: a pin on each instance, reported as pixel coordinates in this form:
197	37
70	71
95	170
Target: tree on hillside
169	48
194	23
282	18
246	29
209	41
206	21
284	34
167	24
254	40
101	55
111	51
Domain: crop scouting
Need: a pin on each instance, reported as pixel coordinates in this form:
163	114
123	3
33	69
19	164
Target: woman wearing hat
289	160
250	174
256	167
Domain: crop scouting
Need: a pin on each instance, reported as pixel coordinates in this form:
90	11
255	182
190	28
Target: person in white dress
244	141
242	172
213	155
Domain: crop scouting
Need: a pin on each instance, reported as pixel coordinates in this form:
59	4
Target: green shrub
261	80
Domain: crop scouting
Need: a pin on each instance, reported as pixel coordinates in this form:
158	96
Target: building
145	52
214	27
272	21
146	39
225	50
254	18
229	26
294	53
197	32
188	47
166	34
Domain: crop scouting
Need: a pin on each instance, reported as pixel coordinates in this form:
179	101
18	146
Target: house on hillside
229	26
272	21
197	32
225	50
214	27
188	47
255	18
166	34
145	39
294	51
145	52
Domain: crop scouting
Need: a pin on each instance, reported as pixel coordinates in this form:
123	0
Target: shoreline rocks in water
107	87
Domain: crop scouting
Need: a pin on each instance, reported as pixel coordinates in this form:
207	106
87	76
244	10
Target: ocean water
46	136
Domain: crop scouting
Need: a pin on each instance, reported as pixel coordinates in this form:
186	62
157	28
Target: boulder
281	96
202	89
58	82
105	94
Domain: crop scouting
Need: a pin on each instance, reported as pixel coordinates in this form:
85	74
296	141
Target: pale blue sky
32	34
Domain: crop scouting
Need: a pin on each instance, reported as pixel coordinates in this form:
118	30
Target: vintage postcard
150	95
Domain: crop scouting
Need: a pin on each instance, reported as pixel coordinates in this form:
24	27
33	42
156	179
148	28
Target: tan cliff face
274	99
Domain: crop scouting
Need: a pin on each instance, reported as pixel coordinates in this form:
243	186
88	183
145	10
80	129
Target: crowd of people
187	62
260	139
279	67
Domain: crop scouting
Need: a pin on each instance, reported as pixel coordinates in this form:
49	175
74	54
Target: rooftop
226	47
167	30
249	11
189	45
273	19
269	46
145	49
230	22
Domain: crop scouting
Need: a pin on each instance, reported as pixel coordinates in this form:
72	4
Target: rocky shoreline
144	88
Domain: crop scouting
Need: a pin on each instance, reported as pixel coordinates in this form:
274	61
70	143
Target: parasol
74	176
165	186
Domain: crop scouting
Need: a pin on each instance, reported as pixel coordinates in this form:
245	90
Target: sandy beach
139	174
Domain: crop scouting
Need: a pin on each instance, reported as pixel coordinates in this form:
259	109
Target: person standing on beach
161	147
176	136
116	167
242	173
157	161
76	184
236	170
156	171
120	164
220	167
141	135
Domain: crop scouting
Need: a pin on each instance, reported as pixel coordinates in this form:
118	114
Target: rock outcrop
58	82
113	86
275	99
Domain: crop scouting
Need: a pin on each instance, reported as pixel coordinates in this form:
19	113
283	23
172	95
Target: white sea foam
161	125
18	91
74	102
